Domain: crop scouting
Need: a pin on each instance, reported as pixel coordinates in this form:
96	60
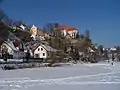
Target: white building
12	50
72	33
23	27
42	51
33	30
37	34
68	31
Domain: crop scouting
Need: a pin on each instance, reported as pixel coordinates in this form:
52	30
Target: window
43	54
38	49
36	55
41	49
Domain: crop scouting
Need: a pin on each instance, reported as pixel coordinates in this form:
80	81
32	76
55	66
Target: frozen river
100	76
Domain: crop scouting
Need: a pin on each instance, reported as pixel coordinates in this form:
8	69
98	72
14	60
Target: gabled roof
34	27
23	27
48	48
65	27
71	29
34	45
10	44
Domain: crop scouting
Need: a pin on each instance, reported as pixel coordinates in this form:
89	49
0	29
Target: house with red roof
65	30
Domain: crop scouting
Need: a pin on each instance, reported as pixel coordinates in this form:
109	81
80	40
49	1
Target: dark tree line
3	32
4	18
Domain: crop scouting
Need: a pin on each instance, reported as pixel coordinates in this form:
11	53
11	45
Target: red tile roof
71	29
65	27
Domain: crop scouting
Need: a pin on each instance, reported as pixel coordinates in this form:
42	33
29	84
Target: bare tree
3	32
101	48
87	33
83	44
3	17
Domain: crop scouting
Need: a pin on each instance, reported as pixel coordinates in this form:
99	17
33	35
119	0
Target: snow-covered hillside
100	76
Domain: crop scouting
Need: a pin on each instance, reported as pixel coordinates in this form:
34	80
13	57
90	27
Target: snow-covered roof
91	50
34	27
34	45
113	49
22	26
103	49
96	47
48	48
10	44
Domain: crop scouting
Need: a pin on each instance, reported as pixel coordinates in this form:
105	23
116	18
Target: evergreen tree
78	35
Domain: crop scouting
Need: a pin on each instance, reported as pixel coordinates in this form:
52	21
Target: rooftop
65	27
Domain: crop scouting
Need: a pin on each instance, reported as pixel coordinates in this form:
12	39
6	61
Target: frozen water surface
100	76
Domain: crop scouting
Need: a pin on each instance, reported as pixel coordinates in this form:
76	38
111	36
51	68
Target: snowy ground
100	76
